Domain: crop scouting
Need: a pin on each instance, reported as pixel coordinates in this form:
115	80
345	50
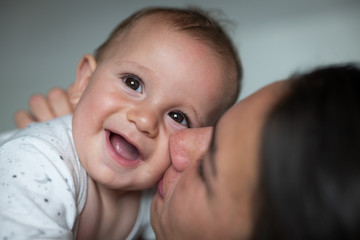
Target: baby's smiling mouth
122	147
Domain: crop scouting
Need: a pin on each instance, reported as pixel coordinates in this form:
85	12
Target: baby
89	175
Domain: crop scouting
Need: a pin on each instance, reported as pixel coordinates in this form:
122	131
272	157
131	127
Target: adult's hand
44	108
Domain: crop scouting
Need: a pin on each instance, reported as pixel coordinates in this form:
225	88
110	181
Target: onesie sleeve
38	199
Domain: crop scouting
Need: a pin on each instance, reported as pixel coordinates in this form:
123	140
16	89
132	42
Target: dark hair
193	21
310	159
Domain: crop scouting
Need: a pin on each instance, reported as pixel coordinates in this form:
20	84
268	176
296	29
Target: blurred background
41	41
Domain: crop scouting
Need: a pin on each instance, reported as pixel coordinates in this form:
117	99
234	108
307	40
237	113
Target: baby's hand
43	108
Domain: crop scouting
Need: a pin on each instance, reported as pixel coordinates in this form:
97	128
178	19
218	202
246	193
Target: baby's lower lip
116	146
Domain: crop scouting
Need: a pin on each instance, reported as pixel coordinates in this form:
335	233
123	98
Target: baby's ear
84	71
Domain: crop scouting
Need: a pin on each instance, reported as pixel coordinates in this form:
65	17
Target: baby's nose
146	121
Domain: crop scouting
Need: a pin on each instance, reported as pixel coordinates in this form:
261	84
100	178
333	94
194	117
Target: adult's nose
188	145
145	120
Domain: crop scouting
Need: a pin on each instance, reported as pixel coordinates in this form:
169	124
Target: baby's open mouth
122	147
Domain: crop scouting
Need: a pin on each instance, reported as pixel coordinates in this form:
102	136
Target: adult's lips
123	148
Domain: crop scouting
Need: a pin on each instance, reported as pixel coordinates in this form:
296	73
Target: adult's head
244	187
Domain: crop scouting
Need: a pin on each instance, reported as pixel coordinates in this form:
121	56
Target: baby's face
150	84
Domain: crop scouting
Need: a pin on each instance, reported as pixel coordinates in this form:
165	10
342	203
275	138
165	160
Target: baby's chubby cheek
156	168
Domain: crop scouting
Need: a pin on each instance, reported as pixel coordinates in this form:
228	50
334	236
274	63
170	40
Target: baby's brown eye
132	82
179	118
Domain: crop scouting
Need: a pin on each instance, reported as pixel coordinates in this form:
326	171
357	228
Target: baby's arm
43	108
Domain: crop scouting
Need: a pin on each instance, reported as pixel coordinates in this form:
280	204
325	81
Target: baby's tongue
124	148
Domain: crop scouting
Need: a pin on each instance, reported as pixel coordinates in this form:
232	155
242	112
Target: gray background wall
41	41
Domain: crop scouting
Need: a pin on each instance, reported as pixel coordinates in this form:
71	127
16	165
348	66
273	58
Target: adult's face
208	191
